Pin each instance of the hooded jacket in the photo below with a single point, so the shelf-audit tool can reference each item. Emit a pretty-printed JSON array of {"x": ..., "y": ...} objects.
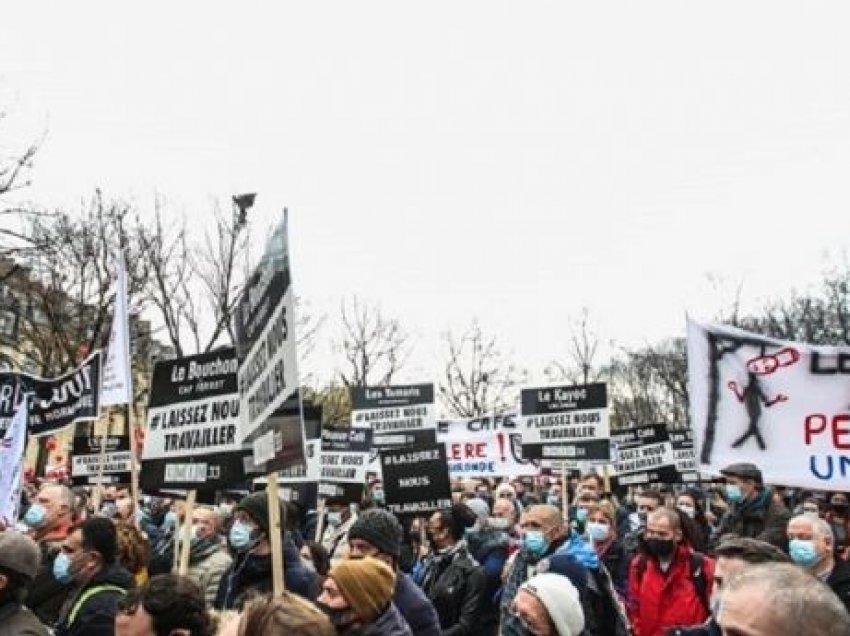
[
  {"x": 757, "y": 518},
  {"x": 96, "y": 613},
  {"x": 207, "y": 564}
]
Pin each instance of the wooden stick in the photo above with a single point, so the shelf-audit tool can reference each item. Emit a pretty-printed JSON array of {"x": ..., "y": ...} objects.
[
  {"x": 134, "y": 466},
  {"x": 275, "y": 535},
  {"x": 565, "y": 493},
  {"x": 320, "y": 520},
  {"x": 186, "y": 533},
  {"x": 98, "y": 489}
]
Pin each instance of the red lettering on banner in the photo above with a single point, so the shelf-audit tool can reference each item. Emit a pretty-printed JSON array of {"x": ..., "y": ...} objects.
[
  {"x": 817, "y": 423},
  {"x": 840, "y": 431},
  {"x": 815, "y": 420}
]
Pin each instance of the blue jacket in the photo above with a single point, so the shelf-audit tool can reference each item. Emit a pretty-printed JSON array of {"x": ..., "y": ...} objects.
[{"x": 415, "y": 607}]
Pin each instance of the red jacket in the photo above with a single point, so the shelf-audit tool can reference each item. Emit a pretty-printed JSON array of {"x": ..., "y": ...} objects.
[{"x": 661, "y": 600}]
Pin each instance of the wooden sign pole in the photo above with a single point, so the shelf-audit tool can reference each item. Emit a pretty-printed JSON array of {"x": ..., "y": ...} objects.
[
  {"x": 186, "y": 533},
  {"x": 134, "y": 466},
  {"x": 565, "y": 493},
  {"x": 275, "y": 535}
]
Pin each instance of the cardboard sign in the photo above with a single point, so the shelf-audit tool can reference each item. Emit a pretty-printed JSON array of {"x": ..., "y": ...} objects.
[
  {"x": 644, "y": 456},
  {"x": 393, "y": 410},
  {"x": 485, "y": 447},
  {"x": 192, "y": 438},
  {"x": 416, "y": 481},
  {"x": 565, "y": 423},
  {"x": 684, "y": 455},
  {"x": 85, "y": 461}
]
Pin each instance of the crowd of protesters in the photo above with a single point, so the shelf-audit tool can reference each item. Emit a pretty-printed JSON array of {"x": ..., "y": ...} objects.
[{"x": 523, "y": 556}]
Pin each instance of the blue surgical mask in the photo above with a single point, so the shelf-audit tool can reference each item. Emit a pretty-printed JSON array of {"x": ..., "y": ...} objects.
[
  {"x": 581, "y": 515},
  {"x": 36, "y": 516},
  {"x": 734, "y": 493},
  {"x": 803, "y": 552},
  {"x": 379, "y": 498},
  {"x": 62, "y": 568},
  {"x": 170, "y": 519},
  {"x": 535, "y": 542},
  {"x": 240, "y": 535},
  {"x": 597, "y": 531},
  {"x": 334, "y": 519}
]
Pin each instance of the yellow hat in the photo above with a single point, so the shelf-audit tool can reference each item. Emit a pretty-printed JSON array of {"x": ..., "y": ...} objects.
[{"x": 367, "y": 584}]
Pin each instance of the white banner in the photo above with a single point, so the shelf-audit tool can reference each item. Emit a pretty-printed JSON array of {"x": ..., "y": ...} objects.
[
  {"x": 783, "y": 406},
  {"x": 11, "y": 465},
  {"x": 116, "y": 379},
  {"x": 485, "y": 447}
]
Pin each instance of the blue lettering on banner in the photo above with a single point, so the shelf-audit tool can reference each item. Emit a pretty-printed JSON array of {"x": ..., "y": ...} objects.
[
  {"x": 473, "y": 467},
  {"x": 834, "y": 466}
]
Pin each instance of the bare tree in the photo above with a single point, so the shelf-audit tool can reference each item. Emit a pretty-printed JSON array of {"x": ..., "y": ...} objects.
[
  {"x": 375, "y": 347},
  {"x": 477, "y": 380},
  {"x": 582, "y": 366}
]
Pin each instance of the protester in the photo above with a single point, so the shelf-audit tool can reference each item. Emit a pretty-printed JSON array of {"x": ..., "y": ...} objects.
[
  {"x": 811, "y": 545},
  {"x": 602, "y": 532},
  {"x": 208, "y": 557},
  {"x": 251, "y": 570},
  {"x": 689, "y": 503},
  {"x": 505, "y": 509},
  {"x": 669, "y": 584},
  {"x": 452, "y": 580},
  {"x": 357, "y": 597},
  {"x": 315, "y": 558},
  {"x": 89, "y": 561},
  {"x": 133, "y": 551},
  {"x": 548, "y": 605},
  {"x": 752, "y": 511},
  {"x": 646, "y": 502},
  {"x": 19, "y": 561},
  {"x": 731, "y": 557},
  {"x": 338, "y": 519},
  {"x": 50, "y": 517},
  {"x": 591, "y": 484},
  {"x": 377, "y": 534},
  {"x": 490, "y": 547},
  {"x": 286, "y": 615},
  {"x": 777, "y": 599},
  {"x": 166, "y": 605},
  {"x": 838, "y": 516}
]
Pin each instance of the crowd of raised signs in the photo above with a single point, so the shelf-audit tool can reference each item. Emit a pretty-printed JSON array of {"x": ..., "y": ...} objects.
[{"x": 520, "y": 556}]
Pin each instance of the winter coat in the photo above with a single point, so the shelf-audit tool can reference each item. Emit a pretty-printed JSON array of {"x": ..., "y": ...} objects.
[
  {"x": 839, "y": 582},
  {"x": 46, "y": 595},
  {"x": 758, "y": 518},
  {"x": 617, "y": 563},
  {"x": 659, "y": 600},
  {"x": 251, "y": 574},
  {"x": 206, "y": 567},
  {"x": 390, "y": 623},
  {"x": 457, "y": 586},
  {"x": 415, "y": 607},
  {"x": 17, "y": 620},
  {"x": 335, "y": 540},
  {"x": 95, "y": 612},
  {"x": 490, "y": 549}
]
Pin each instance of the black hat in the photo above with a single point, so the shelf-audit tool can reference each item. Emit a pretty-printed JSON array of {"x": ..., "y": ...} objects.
[
  {"x": 257, "y": 506},
  {"x": 380, "y": 528},
  {"x": 743, "y": 470}
]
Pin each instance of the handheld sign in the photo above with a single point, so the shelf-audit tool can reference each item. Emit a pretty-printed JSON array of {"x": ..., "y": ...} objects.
[
  {"x": 394, "y": 412},
  {"x": 684, "y": 455},
  {"x": 644, "y": 456},
  {"x": 86, "y": 460},
  {"x": 485, "y": 447},
  {"x": 565, "y": 423},
  {"x": 416, "y": 481},
  {"x": 344, "y": 463}
]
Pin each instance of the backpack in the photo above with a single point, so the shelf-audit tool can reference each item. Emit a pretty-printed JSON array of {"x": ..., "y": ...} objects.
[{"x": 697, "y": 577}]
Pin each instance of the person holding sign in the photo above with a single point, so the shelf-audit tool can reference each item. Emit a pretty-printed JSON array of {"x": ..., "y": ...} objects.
[
  {"x": 251, "y": 570},
  {"x": 338, "y": 520}
]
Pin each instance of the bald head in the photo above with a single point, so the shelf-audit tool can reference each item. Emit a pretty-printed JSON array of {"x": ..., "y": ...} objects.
[
  {"x": 206, "y": 522},
  {"x": 544, "y": 517},
  {"x": 58, "y": 503}
]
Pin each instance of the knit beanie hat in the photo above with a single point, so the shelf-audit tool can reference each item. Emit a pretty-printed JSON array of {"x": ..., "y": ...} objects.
[
  {"x": 380, "y": 528},
  {"x": 367, "y": 584},
  {"x": 257, "y": 506},
  {"x": 19, "y": 553},
  {"x": 561, "y": 600},
  {"x": 479, "y": 507}
]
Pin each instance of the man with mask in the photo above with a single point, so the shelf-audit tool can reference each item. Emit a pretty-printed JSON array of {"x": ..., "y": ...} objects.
[
  {"x": 811, "y": 545},
  {"x": 669, "y": 584},
  {"x": 19, "y": 558},
  {"x": 88, "y": 561},
  {"x": 377, "y": 533},
  {"x": 208, "y": 557},
  {"x": 251, "y": 570},
  {"x": 752, "y": 511},
  {"x": 338, "y": 520},
  {"x": 50, "y": 518}
]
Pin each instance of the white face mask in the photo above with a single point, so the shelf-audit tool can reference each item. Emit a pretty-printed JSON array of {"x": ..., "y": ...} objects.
[
  {"x": 688, "y": 510},
  {"x": 334, "y": 518}
]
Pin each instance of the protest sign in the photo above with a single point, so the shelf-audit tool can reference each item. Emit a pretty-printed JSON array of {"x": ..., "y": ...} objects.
[
  {"x": 86, "y": 458},
  {"x": 12, "y": 446},
  {"x": 565, "y": 422},
  {"x": 117, "y": 381},
  {"x": 391, "y": 410},
  {"x": 13, "y": 388},
  {"x": 644, "y": 455},
  {"x": 70, "y": 398},
  {"x": 485, "y": 447},
  {"x": 193, "y": 416},
  {"x": 416, "y": 481},
  {"x": 682, "y": 442},
  {"x": 268, "y": 372},
  {"x": 778, "y": 404},
  {"x": 344, "y": 462}
]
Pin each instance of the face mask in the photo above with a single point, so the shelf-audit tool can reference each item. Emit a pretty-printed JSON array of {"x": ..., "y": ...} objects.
[
  {"x": 36, "y": 516},
  {"x": 62, "y": 568},
  {"x": 308, "y": 565},
  {"x": 341, "y": 619},
  {"x": 688, "y": 510},
  {"x": 225, "y": 509},
  {"x": 597, "y": 531},
  {"x": 240, "y": 535},
  {"x": 634, "y": 521},
  {"x": 535, "y": 542},
  {"x": 581, "y": 515},
  {"x": 334, "y": 519},
  {"x": 379, "y": 498},
  {"x": 811, "y": 514},
  {"x": 661, "y": 548},
  {"x": 803, "y": 552},
  {"x": 840, "y": 509},
  {"x": 553, "y": 500},
  {"x": 498, "y": 523},
  {"x": 734, "y": 493},
  {"x": 170, "y": 519}
]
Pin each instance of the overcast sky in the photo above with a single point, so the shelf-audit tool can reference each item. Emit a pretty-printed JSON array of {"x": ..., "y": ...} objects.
[{"x": 511, "y": 161}]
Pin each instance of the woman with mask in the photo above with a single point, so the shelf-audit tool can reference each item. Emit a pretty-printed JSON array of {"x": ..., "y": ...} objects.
[
  {"x": 452, "y": 580},
  {"x": 689, "y": 505},
  {"x": 251, "y": 570},
  {"x": 602, "y": 533}
]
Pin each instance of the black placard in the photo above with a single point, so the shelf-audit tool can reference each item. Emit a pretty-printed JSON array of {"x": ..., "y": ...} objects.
[
  {"x": 379, "y": 397},
  {"x": 645, "y": 456},
  {"x": 70, "y": 398},
  {"x": 416, "y": 481},
  {"x": 685, "y": 455},
  {"x": 85, "y": 460}
]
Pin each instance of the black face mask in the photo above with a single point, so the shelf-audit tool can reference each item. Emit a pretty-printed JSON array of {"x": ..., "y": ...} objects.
[
  {"x": 660, "y": 548},
  {"x": 840, "y": 509},
  {"x": 341, "y": 619}
]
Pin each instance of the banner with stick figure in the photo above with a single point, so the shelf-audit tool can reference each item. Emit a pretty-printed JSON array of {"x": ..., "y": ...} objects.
[{"x": 784, "y": 406}]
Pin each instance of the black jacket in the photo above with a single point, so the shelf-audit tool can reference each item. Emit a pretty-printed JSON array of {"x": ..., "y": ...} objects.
[
  {"x": 96, "y": 615},
  {"x": 415, "y": 607},
  {"x": 839, "y": 582},
  {"x": 758, "y": 518},
  {"x": 457, "y": 586},
  {"x": 46, "y": 595},
  {"x": 390, "y": 623}
]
